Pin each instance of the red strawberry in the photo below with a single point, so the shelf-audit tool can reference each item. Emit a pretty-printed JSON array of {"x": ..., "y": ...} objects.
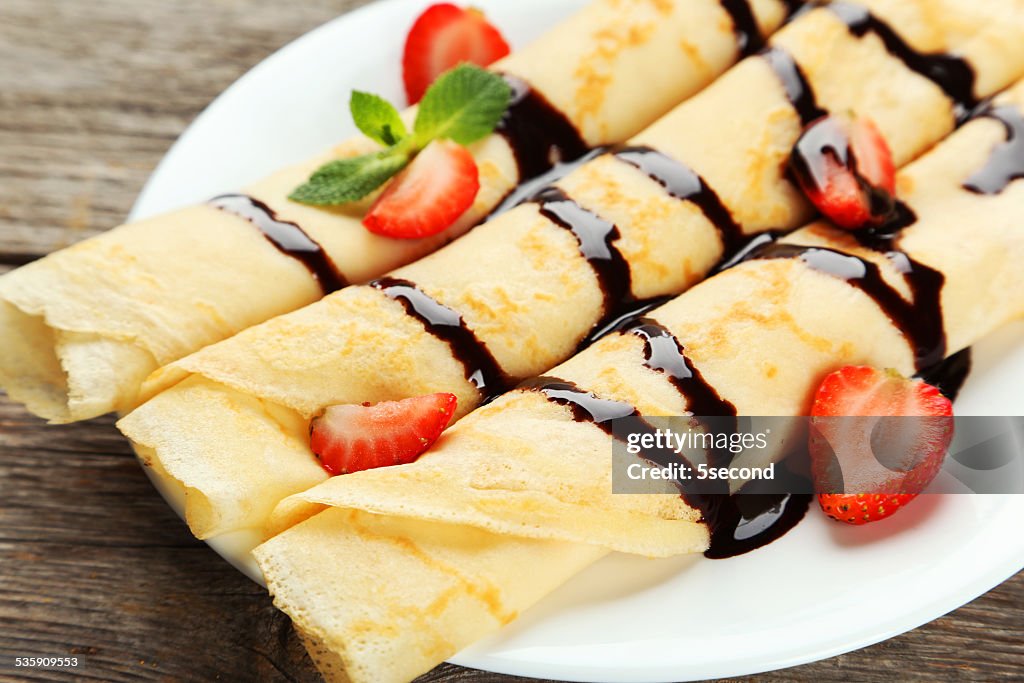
[
  {"x": 877, "y": 440},
  {"x": 861, "y": 508},
  {"x": 429, "y": 195},
  {"x": 442, "y": 37},
  {"x": 350, "y": 438},
  {"x": 845, "y": 168}
]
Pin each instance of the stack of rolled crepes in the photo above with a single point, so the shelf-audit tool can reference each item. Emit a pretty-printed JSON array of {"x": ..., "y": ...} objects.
[
  {"x": 229, "y": 424},
  {"x": 411, "y": 563},
  {"x": 81, "y": 329}
]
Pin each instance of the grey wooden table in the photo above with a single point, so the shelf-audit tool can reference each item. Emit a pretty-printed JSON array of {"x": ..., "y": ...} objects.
[{"x": 92, "y": 562}]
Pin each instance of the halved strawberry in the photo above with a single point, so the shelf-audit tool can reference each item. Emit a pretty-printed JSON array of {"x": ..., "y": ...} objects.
[
  {"x": 429, "y": 195},
  {"x": 861, "y": 508},
  {"x": 845, "y": 168},
  {"x": 877, "y": 440},
  {"x": 350, "y": 438},
  {"x": 446, "y": 35}
]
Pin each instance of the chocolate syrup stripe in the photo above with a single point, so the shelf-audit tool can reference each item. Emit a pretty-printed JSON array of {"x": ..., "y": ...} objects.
[
  {"x": 683, "y": 183},
  {"x": 951, "y": 73},
  {"x": 481, "y": 367},
  {"x": 539, "y": 134},
  {"x": 596, "y": 238},
  {"x": 288, "y": 237},
  {"x": 584, "y": 405},
  {"x": 798, "y": 89},
  {"x": 920, "y": 320},
  {"x": 736, "y": 523},
  {"x": 949, "y": 375},
  {"x": 744, "y": 25},
  {"x": 663, "y": 353},
  {"x": 1006, "y": 163}
]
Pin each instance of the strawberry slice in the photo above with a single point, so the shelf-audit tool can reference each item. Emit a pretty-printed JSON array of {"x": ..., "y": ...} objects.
[
  {"x": 350, "y": 438},
  {"x": 428, "y": 196},
  {"x": 446, "y": 35},
  {"x": 861, "y": 508},
  {"x": 845, "y": 168},
  {"x": 877, "y": 440}
]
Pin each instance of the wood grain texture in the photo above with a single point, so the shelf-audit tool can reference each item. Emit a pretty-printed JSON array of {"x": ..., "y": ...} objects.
[{"x": 92, "y": 562}]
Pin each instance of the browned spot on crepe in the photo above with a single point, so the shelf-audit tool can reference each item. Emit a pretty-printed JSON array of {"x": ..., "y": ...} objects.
[
  {"x": 696, "y": 58},
  {"x": 592, "y": 73},
  {"x": 485, "y": 592}
]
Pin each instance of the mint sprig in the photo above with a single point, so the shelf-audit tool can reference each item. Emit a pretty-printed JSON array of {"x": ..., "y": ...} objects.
[{"x": 463, "y": 104}]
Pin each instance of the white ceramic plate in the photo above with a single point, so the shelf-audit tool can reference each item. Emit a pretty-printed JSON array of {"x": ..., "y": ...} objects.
[{"x": 821, "y": 590}]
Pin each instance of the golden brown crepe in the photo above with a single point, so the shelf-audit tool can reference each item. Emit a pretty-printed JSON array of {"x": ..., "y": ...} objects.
[
  {"x": 761, "y": 334},
  {"x": 82, "y": 328},
  {"x": 230, "y": 423}
]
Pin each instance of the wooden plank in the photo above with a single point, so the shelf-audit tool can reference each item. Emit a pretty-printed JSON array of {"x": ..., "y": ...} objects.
[
  {"x": 92, "y": 94},
  {"x": 92, "y": 562}
]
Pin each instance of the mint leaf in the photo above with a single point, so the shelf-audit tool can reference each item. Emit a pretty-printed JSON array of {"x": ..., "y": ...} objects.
[
  {"x": 463, "y": 104},
  {"x": 376, "y": 118},
  {"x": 346, "y": 180}
]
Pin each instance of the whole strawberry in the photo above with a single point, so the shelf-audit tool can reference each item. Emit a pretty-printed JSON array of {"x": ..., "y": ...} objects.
[
  {"x": 442, "y": 37},
  {"x": 877, "y": 440}
]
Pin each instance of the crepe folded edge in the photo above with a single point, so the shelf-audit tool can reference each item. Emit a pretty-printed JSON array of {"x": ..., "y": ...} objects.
[
  {"x": 536, "y": 489},
  {"x": 454, "y": 585},
  {"x": 223, "y": 426},
  {"x": 64, "y": 376}
]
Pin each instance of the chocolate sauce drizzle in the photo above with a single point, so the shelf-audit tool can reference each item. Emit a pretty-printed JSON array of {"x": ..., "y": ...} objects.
[
  {"x": 795, "y": 6},
  {"x": 744, "y": 25},
  {"x": 951, "y": 73},
  {"x": 1006, "y": 162},
  {"x": 949, "y": 375},
  {"x": 482, "y": 370},
  {"x": 584, "y": 405},
  {"x": 683, "y": 183},
  {"x": 744, "y": 252},
  {"x": 596, "y": 238},
  {"x": 798, "y": 89},
  {"x": 526, "y": 189},
  {"x": 624, "y": 317},
  {"x": 663, "y": 353},
  {"x": 736, "y": 523},
  {"x": 743, "y": 522},
  {"x": 920, "y": 319},
  {"x": 288, "y": 237},
  {"x": 538, "y": 133}
]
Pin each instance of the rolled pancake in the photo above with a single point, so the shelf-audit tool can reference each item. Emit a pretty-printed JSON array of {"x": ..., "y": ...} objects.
[
  {"x": 465, "y": 582},
  {"x": 762, "y": 334},
  {"x": 98, "y": 317},
  {"x": 519, "y": 289}
]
